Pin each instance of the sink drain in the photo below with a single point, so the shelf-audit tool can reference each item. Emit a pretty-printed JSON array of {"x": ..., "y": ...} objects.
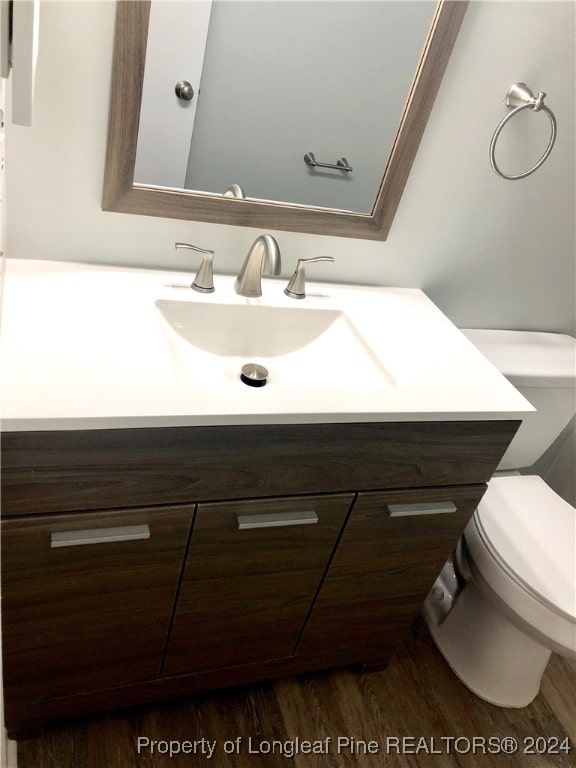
[{"x": 254, "y": 375}]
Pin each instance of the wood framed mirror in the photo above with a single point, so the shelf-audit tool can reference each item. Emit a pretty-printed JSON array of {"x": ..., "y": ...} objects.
[{"x": 121, "y": 193}]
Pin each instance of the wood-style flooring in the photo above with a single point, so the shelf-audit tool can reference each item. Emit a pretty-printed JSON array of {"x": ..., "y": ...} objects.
[{"x": 417, "y": 698}]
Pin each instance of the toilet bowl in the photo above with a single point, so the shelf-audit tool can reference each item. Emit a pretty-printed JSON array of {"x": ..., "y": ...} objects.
[
  {"x": 518, "y": 604},
  {"x": 506, "y": 599}
]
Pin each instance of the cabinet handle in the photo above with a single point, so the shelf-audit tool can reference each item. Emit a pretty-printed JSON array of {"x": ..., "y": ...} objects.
[
  {"x": 99, "y": 535},
  {"x": 425, "y": 508},
  {"x": 276, "y": 519}
]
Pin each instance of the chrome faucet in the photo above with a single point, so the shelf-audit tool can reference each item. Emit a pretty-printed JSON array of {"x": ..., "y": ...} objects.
[
  {"x": 263, "y": 255},
  {"x": 235, "y": 190}
]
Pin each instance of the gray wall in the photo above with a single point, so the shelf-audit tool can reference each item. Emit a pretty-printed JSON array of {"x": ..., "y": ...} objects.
[
  {"x": 557, "y": 466},
  {"x": 281, "y": 79},
  {"x": 490, "y": 253}
]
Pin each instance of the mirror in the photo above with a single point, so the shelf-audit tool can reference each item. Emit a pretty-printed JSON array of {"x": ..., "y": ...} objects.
[
  {"x": 272, "y": 83},
  {"x": 377, "y": 123}
]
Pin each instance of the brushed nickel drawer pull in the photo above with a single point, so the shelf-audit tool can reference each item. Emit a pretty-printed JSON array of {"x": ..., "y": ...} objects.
[
  {"x": 424, "y": 508},
  {"x": 276, "y": 520},
  {"x": 99, "y": 535}
]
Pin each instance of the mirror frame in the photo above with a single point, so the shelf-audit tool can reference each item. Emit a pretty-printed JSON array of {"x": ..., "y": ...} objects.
[{"x": 123, "y": 196}]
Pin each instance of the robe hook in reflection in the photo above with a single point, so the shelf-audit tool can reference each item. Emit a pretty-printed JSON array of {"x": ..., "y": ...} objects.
[{"x": 520, "y": 97}]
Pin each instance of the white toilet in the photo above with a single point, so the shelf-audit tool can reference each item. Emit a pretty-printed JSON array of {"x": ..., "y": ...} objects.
[{"x": 507, "y": 598}]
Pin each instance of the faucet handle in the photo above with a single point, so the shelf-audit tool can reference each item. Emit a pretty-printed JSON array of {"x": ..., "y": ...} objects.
[
  {"x": 296, "y": 287},
  {"x": 204, "y": 280}
]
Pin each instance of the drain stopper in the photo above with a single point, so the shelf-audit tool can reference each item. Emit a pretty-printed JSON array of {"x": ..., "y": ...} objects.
[{"x": 254, "y": 375}]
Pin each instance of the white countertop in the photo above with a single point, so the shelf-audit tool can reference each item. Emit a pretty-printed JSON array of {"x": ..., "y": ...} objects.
[{"x": 83, "y": 347}]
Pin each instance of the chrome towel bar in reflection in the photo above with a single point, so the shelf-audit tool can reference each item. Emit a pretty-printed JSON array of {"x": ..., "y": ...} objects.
[
  {"x": 341, "y": 164},
  {"x": 520, "y": 97}
]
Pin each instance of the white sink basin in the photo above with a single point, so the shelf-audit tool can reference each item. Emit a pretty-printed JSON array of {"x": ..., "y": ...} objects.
[
  {"x": 300, "y": 346},
  {"x": 123, "y": 348}
]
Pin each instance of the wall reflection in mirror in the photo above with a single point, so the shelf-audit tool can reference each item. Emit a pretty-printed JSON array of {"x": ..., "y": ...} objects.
[{"x": 272, "y": 82}]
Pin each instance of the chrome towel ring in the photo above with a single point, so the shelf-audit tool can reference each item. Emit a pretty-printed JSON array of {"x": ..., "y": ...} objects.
[{"x": 520, "y": 97}]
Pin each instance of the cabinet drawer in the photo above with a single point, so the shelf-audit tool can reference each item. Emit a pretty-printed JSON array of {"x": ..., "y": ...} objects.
[
  {"x": 393, "y": 547},
  {"x": 99, "y": 469},
  {"x": 252, "y": 571},
  {"x": 86, "y": 599}
]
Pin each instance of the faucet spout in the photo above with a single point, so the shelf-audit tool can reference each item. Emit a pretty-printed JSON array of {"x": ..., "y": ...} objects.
[{"x": 263, "y": 258}]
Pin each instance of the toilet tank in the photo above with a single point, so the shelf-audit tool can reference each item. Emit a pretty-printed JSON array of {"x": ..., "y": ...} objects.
[{"x": 542, "y": 366}]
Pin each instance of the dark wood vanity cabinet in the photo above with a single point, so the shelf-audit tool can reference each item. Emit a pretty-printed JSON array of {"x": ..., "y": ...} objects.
[
  {"x": 87, "y": 598},
  {"x": 392, "y": 550},
  {"x": 251, "y": 575},
  {"x": 144, "y": 564}
]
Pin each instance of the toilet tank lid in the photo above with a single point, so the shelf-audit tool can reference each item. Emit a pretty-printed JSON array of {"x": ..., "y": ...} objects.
[{"x": 529, "y": 358}]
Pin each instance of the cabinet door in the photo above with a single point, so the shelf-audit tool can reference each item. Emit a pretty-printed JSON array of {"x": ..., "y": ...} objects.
[
  {"x": 392, "y": 549},
  {"x": 251, "y": 574},
  {"x": 87, "y": 599}
]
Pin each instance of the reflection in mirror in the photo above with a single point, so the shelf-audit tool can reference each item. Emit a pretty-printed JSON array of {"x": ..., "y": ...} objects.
[
  {"x": 312, "y": 110},
  {"x": 277, "y": 80}
]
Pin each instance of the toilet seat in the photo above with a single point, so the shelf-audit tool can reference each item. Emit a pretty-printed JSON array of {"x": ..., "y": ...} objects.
[
  {"x": 531, "y": 533},
  {"x": 507, "y": 619}
]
